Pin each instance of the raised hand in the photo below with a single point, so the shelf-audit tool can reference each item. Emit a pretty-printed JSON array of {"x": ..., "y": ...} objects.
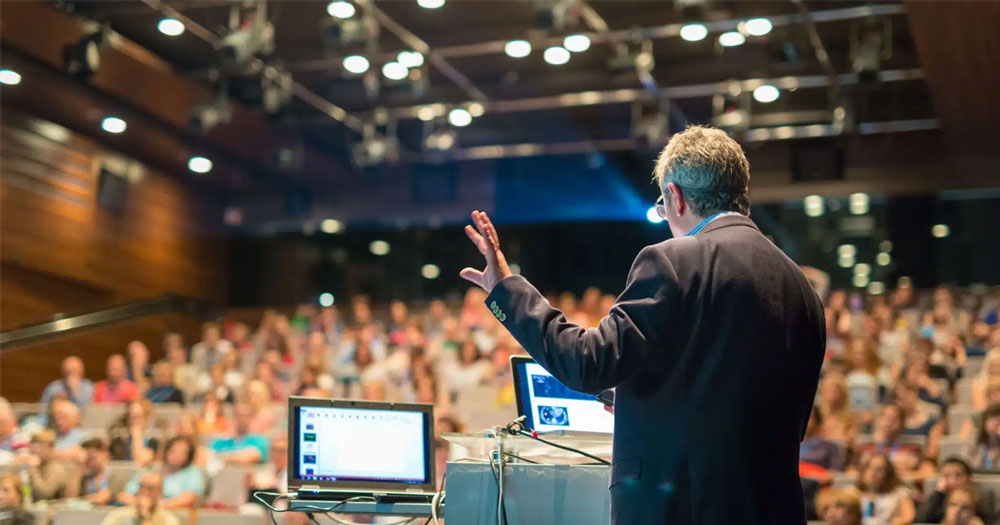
[{"x": 484, "y": 236}]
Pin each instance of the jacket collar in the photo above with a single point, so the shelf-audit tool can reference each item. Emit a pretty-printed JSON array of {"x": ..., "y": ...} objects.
[{"x": 728, "y": 221}]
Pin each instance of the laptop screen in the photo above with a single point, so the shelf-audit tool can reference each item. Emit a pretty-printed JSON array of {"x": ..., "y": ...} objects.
[
  {"x": 348, "y": 444},
  {"x": 549, "y": 405}
]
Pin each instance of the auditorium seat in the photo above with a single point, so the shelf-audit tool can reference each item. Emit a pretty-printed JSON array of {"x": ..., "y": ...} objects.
[
  {"x": 229, "y": 486},
  {"x": 952, "y": 446},
  {"x": 945, "y": 390},
  {"x": 100, "y": 415},
  {"x": 972, "y": 366},
  {"x": 957, "y": 416},
  {"x": 963, "y": 391}
]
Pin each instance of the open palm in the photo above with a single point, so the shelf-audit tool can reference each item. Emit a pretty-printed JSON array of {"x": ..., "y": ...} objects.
[{"x": 484, "y": 236}]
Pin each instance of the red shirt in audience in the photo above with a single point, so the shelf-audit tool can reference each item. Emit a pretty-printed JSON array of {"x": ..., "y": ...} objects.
[{"x": 125, "y": 391}]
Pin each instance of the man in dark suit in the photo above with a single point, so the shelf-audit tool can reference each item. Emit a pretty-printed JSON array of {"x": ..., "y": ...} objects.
[{"x": 714, "y": 347}]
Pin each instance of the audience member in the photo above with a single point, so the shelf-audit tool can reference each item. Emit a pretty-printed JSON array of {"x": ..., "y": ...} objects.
[
  {"x": 116, "y": 388},
  {"x": 95, "y": 478},
  {"x": 212, "y": 422},
  {"x": 815, "y": 449},
  {"x": 163, "y": 389},
  {"x": 955, "y": 474},
  {"x": 183, "y": 482},
  {"x": 245, "y": 447},
  {"x": 962, "y": 507},
  {"x": 273, "y": 476},
  {"x": 133, "y": 437},
  {"x": 839, "y": 506},
  {"x": 834, "y": 407},
  {"x": 209, "y": 351},
  {"x": 985, "y": 452},
  {"x": 12, "y": 510},
  {"x": 10, "y": 436},
  {"x": 908, "y": 458},
  {"x": 139, "y": 371},
  {"x": 73, "y": 384},
  {"x": 884, "y": 499},
  {"x": 258, "y": 399},
  {"x": 988, "y": 373},
  {"x": 49, "y": 478},
  {"x": 68, "y": 434},
  {"x": 146, "y": 507},
  {"x": 919, "y": 418}
]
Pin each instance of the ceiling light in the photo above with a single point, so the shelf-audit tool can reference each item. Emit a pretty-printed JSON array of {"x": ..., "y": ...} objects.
[
  {"x": 326, "y": 299},
  {"x": 883, "y": 259},
  {"x": 459, "y": 117},
  {"x": 410, "y": 59},
  {"x": 356, "y": 64},
  {"x": 652, "y": 216},
  {"x": 846, "y": 250},
  {"x": 766, "y": 93},
  {"x": 845, "y": 261},
  {"x": 885, "y": 246},
  {"x": 577, "y": 43},
  {"x": 876, "y": 288},
  {"x": 440, "y": 140},
  {"x": 476, "y": 109},
  {"x": 858, "y": 203},
  {"x": 113, "y": 125},
  {"x": 430, "y": 271},
  {"x": 430, "y": 4},
  {"x": 862, "y": 269},
  {"x": 330, "y": 226},
  {"x": 940, "y": 231},
  {"x": 731, "y": 39},
  {"x": 378, "y": 247},
  {"x": 394, "y": 71},
  {"x": 10, "y": 77},
  {"x": 694, "y": 32},
  {"x": 426, "y": 113},
  {"x": 171, "y": 27},
  {"x": 757, "y": 26},
  {"x": 200, "y": 164},
  {"x": 860, "y": 281},
  {"x": 340, "y": 9},
  {"x": 556, "y": 55},
  {"x": 814, "y": 205},
  {"x": 517, "y": 48}
]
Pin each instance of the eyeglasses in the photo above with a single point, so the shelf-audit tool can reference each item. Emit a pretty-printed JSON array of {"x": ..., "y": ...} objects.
[{"x": 661, "y": 207}]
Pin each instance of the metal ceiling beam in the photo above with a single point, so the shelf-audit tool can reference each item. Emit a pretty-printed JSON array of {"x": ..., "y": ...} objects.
[
  {"x": 496, "y": 47},
  {"x": 622, "y": 96},
  {"x": 819, "y": 49}
]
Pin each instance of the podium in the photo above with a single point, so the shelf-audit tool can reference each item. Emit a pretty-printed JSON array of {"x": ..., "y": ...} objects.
[{"x": 561, "y": 489}]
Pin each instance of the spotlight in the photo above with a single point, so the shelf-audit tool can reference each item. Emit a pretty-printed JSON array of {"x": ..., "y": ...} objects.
[
  {"x": 883, "y": 259},
  {"x": 275, "y": 89},
  {"x": 814, "y": 205},
  {"x": 430, "y": 271},
  {"x": 862, "y": 269},
  {"x": 857, "y": 203},
  {"x": 200, "y": 164},
  {"x": 83, "y": 58},
  {"x": 846, "y": 250},
  {"x": 330, "y": 226},
  {"x": 379, "y": 247},
  {"x": 171, "y": 27},
  {"x": 326, "y": 299},
  {"x": 10, "y": 77},
  {"x": 876, "y": 288},
  {"x": 860, "y": 281},
  {"x": 410, "y": 59},
  {"x": 577, "y": 43},
  {"x": 340, "y": 9},
  {"x": 757, "y": 26},
  {"x": 694, "y": 32},
  {"x": 459, "y": 117},
  {"x": 442, "y": 140},
  {"x": 394, "y": 71},
  {"x": 940, "y": 231},
  {"x": 766, "y": 94},
  {"x": 845, "y": 261},
  {"x": 652, "y": 216},
  {"x": 430, "y": 4},
  {"x": 556, "y": 55},
  {"x": 356, "y": 64},
  {"x": 476, "y": 109},
  {"x": 517, "y": 48},
  {"x": 885, "y": 246},
  {"x": 426, "y": 113},
  {"x": 212, "y": 113},
  {"x": 731, "y": 39},
  {"x": 515, "y": 268},
  {"x": 113, "y": 125},
  {"x": 251, "y": 35}
]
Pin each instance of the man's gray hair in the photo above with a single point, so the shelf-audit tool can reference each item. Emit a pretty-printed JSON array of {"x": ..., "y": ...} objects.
[{"x": 710, "y": 169}]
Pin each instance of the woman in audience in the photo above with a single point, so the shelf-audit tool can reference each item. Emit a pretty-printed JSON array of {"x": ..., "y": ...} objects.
[
  {"x": 133, "y": 436},
  {"x": 214, "y": 383},
  {"x": 834, "y": 406},
  {"x": 971, "y": 425},
  {"x": 961, "y": 508},
  {"x": 815, "y": 449},
  {"x": 989, "y": 371},
  {"x": 985, "y": 453},
  {"x": 139, "y": 370},
  {"x": 919, "y": 418},
  {"x": 471, "y": 370},
  {"x": 884, "y": 499},
  {"x": 12, "y": 510},
  {"x": 187, "y": 426},
  {"x": 212, "y": 422},
  {"x": 163, "y": 389},
  {"x": 866, "y": 369},
  {"x": 259, "y": 399},
  {"x": 908, "y": 458},
  {"x": 956, "y": 474},
  {"x": 183, "y": 482},
  {"x": 839, "y": 506}
]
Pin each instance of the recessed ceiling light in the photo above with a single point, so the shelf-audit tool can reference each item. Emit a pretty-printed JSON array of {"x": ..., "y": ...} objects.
[
  {"x": 476, "y": 109},
  {"x": 410, "y": 59},
  {"x": 940, "y": 231},
  {"x": 326, "y": 299},
  {"x": 556, "y": 55},
  {"x": 340, "y": 9},
  {"x": 577, "y": 43},
  {"x": 430, "y": 271},
  {"x": 459, "y": 117},
  {"x": 766, "y": 93},
  {"x": 430, "y": 4},
  {"x": 171, "y": 27},
  {"x": 394, "y": 71},
  {"x": 379, "y": 247},
  {"x": 731, "y": 39},
  {"x": 426, "y": 113},
  {"x": 113, "y": 125},
  {"x": 517, "y": 48},
  {"x": 200, "y": 164},
  {"x": 757, "y": 26},
  {"x": 330, "y": 226},
  {"x": 356, "y": 64},
  {"x": 10, "y": 77},
  {"x": 694, "y": 32}
]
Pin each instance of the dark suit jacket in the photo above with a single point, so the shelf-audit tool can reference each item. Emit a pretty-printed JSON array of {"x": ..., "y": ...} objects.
[{"x": 715, "y": 348}]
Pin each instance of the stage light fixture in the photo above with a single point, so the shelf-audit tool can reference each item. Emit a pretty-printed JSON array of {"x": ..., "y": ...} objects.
[
  {"x": 556, "y": 55},
  {"x": 476, "y": 109},
  {"x": 330, "y": 226},
  {"x": 517, "y": 48},
  {"x": 394, "y": 71},
  {"x": 858, "y": 203},
  {"x": 356, "y": 64},
  {"x": 459, "y": 117},
  {"x": 10, "y": 77},
  {"x": 940, "y": 231},
  {"x": 430, "y": 4},
  {"x": 379, "y": 248},
  {"x": 114, "y": 125},
  {"x": 731, "y": 39},
  {"x": 83, "y": 58},
  {"x": 814, "y": 205},
  {"x": 694, "y": 32},
  {"x": 757, "y": 26},
  {"x": 883, "y": 259},
  {"x": 430, "y": 271},
  {"x": 340, "y": 9},
  {"x": 251, "y": 35},
  {"x": 326, "y": 299},
  {"x": 410, "y": 59},
  {"x": 170, "y": 27},
  {"x": 766, "y": 94},
  {"x": 577, "y": 43},
  {"x": 200, "y": 164},
  {"x": 214, "y": 112},
  {"x": 652, "y": 216}
]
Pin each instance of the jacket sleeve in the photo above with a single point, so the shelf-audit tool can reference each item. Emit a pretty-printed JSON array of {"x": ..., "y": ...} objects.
[{"x": 593, "y": 359}]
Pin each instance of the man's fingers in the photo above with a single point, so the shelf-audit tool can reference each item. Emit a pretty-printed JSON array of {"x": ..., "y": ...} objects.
[
  {"x": 472, "y": 275},
  {"x": 476, "y": 239}
]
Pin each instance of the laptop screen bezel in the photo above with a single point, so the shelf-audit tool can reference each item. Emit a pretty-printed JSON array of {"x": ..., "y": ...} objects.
[
  {"x": 518, "y": 372},
  {"x": 295, "y": 481}
]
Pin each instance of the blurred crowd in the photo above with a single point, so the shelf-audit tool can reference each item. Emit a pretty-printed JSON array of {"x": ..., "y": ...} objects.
[{"x": 905, "y": 428}]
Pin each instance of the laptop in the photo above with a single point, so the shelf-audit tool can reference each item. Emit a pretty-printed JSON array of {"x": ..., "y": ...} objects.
[
  {"x": 340, "y": 449},
  {"x": 550, "y": 406}
]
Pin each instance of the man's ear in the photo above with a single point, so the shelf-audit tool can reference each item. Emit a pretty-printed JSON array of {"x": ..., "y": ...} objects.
[{"x": 675, "y": 195}]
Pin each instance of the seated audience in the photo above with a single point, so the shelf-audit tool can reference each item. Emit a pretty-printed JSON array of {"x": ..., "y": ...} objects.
[
  {"x": 834, "y": 407},
  {"x": 49, "y": 478},
  {"x": 839, "y": 506},
  {"x": 163, "y": 389},
  {"x": 133, "y": 437},
  {"x": 183, "y": 482},
  {"x": 146, "y": 507},
  {"x": 989, "y": 371},
  {"x": 209, "y": 351},
  {"x": 985, "y": 452},
  {"x": 274, "y": 475},
  {"x": 470, "y": 371},
  {"x": 919, "y": 418},
  {"x": 185, "y": 374},
  {"x": 12, "y": 510},
  {"x": 962, "y": 507},
  {"x": 955, "y": 474},
  {"x": 907, "y": 458},
  {"x": 95, "y": 476},
  {"x": 212, "y": 422},
  {"x": 258, "y": 398},
  {"x": 815, "y": 449},
  {"x": 116, "y": 388},
  {"x": 187, "y": 426},
  {"x": 884, "y": 499},
  {"x": 970, "y": 426},
  {"x": 66, "y": 425},
  {"x": 11, "y": 438},
  {"x": 139, "y": 371},
  {"x": 73, "y": 384},
  {"x": 245, "y": 447}
]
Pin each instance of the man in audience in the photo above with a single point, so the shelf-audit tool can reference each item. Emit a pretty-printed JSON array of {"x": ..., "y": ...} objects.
[
  {"x": 139, "y": 370},
  {"x": 116, "y": 388},
  {"x": 840, "y": 506},
  {"x": 956, "y": 473},
  {"x": 10, "y": 438},
  {"x": 49, "y": 478},
  {"x": 68, "y": 434},
  {"x": 244, "y": 448},
  {"x": 183, "y": 481},
  {"x": 77, "y": 388},
  {"x": 274, "y": 475},
  {"x": 163, "y": 389},
  {"x": 211, "y": 348},
  {"x": 95, "y": 476},
  {"x": 12, "y": 510},
  {"x": 907, "y": 458},
  {"x": 146, "y": 509}
]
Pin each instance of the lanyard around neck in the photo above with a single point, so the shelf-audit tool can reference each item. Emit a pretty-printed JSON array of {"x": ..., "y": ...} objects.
[{"x": 702, "y": 224}]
